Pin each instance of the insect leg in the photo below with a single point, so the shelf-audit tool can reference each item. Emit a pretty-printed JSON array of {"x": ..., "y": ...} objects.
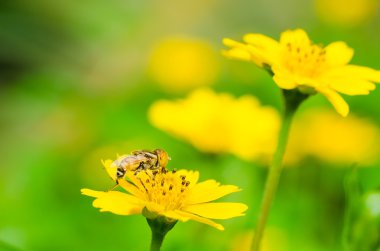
[
  {"x": 116, "y": 185},
  {"x": 139, "y": 168}
]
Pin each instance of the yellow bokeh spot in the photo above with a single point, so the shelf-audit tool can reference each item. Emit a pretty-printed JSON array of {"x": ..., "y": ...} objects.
[
  {"x": 331, "y": 138},
  {"x": 219, "y": 123},
  {"x": 346, "y": 12},
  {"x": 180, "y": 63}
]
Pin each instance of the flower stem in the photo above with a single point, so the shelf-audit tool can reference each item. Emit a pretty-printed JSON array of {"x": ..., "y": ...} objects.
[
  {"x": 160, "y": 227},
  {"x": 156, "y": 242},
  {"x": 292, "y": 101}
]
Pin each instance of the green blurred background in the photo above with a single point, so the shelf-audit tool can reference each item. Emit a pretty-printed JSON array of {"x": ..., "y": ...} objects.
[{"x": 76, "y": 85}]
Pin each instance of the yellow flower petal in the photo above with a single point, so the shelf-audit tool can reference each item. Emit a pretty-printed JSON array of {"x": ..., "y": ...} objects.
[
  {"x": 237, "y": 50},
  {"x": 297, "y": 36},
  {"x": 127, "y": 186},
  {"x": 209, "y": 190},
  {"x": 110, "y": 170},
  {"x": 191, "y": 216},
  {"x": 115, "y": 202},
  {"x": 283, "y": 79},
  {"x": 92, "y": 193},
  {"x": 231, "y": 43},
  {"x": 191, "y": 176},
  {"x": 176, "y": 215},
  {"x": 221, "y": 210},
  {"x": 269, "y": 47},
  {"x": 262, "y": 42},
  {"x": 135, "y": 180},
  {"x": 353, "y": 86},
  {"x": 353, "y": 71},
  {"x": 237, "y": 53},
  {"x": 338, "y": 53},
  {"x": 248, "y": 52},
  {"x": 336, "y": 100},
  {"x": 156, "y": 208}
]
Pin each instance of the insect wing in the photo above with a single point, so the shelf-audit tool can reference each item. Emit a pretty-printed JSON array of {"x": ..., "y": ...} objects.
[{"x": 132, "y": 162}]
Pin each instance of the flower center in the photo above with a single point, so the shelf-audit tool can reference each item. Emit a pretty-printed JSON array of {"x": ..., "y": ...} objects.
[
  {"x": 165, "y": 188},
  {"x": 306, "y": 60}
]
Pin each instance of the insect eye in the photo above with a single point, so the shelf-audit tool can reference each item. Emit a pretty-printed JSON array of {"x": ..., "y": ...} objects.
[
  {"x": 120, "y": 173},
  {"x": 163, "y": 158}
]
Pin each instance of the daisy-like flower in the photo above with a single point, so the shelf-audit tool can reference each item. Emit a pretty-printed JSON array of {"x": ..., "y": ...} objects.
[
  {"x": 218, "y": 123},
  {"x": 297, "y": 63},
  {"x": 174, "y": 195}
]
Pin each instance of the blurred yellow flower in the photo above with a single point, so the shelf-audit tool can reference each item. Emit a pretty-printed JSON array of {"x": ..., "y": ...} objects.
[
  {"x": 324, "y": 135},
  {"x": 296, "y": 62},
  {"x": 175, "y": 195},
  {"x": 181, "y": 63},
  {"x": 346, "y": 12},
  {"x": 274, "y": 240},
  {"x": 219, "y": 123}
]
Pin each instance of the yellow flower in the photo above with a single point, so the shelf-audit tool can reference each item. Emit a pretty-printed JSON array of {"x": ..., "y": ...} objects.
[
  {"x": 296, "y": 62},
  {"x": 175, "y": 195},
  {"x": 219, "y": 123},
  {"x": 180, "y": 63},
  {"x": 329, "y": 137},
  {"x": 346, "y": 12}
]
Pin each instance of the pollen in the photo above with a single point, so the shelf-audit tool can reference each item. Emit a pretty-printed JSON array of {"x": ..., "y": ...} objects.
[
  {"x": 165, "y": 188},
  {"x": 304, "y": 59}
]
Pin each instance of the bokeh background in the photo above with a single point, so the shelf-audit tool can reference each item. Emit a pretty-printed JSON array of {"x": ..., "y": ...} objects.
[{"x": 80, "y": 81}]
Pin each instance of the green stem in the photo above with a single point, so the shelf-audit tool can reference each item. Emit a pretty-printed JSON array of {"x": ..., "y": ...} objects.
[
  {"x": 292, "y": 101},
  {"x": 156, "y": 242},
  {"x": 160, "y": 226},
  {"x": 352, "y": 191}
]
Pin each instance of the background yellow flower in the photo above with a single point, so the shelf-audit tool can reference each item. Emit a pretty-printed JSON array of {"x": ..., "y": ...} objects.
[
  {"x": 181, "y": 63},
  {"x": 321, "y": 134},
  {"x": 219, "y": 123}
]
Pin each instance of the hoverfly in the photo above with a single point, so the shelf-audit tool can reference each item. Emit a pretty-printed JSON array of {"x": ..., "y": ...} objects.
[{"x": 137, "y": 161}]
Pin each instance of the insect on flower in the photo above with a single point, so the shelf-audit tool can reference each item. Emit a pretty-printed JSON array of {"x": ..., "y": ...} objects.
[
  {"x": 136, "y": 162},
  {"x": 169, "y": 196}
]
